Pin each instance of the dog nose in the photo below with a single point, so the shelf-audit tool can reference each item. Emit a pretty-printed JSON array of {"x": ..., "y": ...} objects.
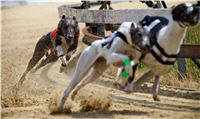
[{"x": 70, "y": 37}]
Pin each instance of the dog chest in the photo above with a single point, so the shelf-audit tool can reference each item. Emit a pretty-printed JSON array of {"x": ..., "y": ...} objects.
[{"x": 64, "y": 44}]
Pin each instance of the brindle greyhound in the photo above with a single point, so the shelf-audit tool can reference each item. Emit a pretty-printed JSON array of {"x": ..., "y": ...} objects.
[{"x": 62, "y": 41}]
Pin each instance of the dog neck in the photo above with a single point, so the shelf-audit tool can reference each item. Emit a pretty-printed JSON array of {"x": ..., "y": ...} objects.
[{"x": 171, "y": 37}]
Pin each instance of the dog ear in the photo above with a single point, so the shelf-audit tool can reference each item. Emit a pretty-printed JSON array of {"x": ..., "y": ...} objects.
[
  {"x": 74, "y": 18},
  {"x": 198, "y": 3},
  {"x": 61, "y": 21},
  {"x": 63, "y": 17},
  {"x": 60, "y": 25},
  {"x": 134, "y": 25},
  {"x": 173, "y": 6}
]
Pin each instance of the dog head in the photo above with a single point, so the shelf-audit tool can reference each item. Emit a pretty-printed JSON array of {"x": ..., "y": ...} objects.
[
  {"x": 68, "y": 26},
  {"x": 186, "y": 14},
  {"x": 140, "y": 37}
]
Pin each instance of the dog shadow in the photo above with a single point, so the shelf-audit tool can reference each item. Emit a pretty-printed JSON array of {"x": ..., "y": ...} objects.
[
  {"x": 146, "y": 88},
  {"x": 105, "y": 114},
  {"x": 156, "y": 105},
  {"x": 44, "y": 75}
]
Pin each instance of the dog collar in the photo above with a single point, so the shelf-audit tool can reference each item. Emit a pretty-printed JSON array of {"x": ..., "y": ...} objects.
[{"x": 54, "y": 33}]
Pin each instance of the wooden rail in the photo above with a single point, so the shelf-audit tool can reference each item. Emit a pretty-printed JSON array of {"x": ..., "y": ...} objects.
[
  {"x": 190, "y": 51},
  {"x": 89, "y": 37},
  {"x": 187, "y": 50},
  {"x": 109, "y": 16}
]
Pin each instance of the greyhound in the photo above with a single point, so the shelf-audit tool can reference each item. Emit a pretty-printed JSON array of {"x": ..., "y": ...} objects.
[
  {"x": 104, "y": 5},
  {"x": 63, "y": 41},
  {"x": 166, "y": 43},
  {"x": 114, "y": 49},
  {"x": 158, "y": 4},
  {"x": 152, "y": 24}
]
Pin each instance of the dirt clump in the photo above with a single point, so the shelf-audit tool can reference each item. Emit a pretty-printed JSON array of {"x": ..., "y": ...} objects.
[
  {"x": 15, "y": 98},
  {"x": 93, "y": 101}
]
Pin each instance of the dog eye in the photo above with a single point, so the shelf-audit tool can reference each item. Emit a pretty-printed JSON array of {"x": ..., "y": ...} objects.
[
  {"x": 139, "y": 34},
  {"x": 184, "y": 17}
]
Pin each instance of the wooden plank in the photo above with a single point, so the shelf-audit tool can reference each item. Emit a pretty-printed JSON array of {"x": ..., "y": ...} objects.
[
  {"x": 110, "y": 16},
  {"x": 190, "y": 51},
  {"x": 89, "y": 37},
  {"x": 88, "y": 34}
]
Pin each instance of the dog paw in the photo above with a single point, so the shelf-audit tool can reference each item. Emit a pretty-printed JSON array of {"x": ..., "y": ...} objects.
[
  {"x": 62, "y": 68},
  {"x": 129, "y": 88},
  {"x": 33, "y": 71},
  {"x": 156, "y": 98}
]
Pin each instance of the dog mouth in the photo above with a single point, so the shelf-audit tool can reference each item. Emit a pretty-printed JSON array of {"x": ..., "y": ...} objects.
[{"x": 69, "y": 41}]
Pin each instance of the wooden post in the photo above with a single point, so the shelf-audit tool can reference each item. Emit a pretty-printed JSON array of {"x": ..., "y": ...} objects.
[{"x": 181, "y": 68}]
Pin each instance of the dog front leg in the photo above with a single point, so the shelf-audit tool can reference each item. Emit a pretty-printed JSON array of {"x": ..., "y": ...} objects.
[
  {"x": 119, "y": 71},
  {"x": 145, "y": 77},
  {"x": 49, "y": 59},
  {"x": 69, "y": 54},
  {"x": 113, "y": 56},
  {"x": 156, "y": 88}
]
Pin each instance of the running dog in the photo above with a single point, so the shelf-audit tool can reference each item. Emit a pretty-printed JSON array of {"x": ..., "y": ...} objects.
[
  {"x": 167, "y": 36},
  {"x": 61, "y": 42}
]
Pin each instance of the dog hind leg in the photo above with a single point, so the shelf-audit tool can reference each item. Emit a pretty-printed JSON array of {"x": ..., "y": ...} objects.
[
  {"x": 97, "y": 70},
  {"x": 145, "y": 77},
  {"x": 49, "y": 59},
  {"x": 85, "y": 62},
  {"x": 39, "y": 52}
]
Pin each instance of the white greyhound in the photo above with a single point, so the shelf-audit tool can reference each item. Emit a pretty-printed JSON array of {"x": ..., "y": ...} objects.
[
  {"x": 101, "y": 53},
  {"x": 166, "y": 44}
]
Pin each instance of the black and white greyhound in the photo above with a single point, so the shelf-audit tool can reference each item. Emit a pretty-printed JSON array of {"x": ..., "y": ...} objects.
[{"x": 167, "y": 35}]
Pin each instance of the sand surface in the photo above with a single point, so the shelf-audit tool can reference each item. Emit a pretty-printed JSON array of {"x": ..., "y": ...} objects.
[{"x": 22, "y": 27}]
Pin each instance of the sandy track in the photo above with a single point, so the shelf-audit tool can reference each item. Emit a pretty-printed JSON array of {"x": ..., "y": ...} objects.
[{"x": 21, "y": 29}]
